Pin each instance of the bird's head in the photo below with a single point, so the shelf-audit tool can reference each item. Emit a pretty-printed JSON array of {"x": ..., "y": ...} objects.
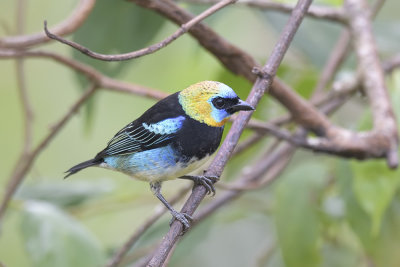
[{"x": 211, "y": 102}]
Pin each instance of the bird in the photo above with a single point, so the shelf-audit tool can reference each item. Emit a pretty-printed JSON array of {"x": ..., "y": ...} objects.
[{"x": 174, "y": 137}]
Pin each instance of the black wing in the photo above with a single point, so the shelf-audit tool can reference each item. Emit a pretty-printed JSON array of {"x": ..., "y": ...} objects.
[
  {"x": 134, "y": 138},
  {"x": 155, "y": 128}
]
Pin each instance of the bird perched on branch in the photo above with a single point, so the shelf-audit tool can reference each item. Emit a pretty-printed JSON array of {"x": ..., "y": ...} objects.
[{"x": 171, "y": 139}]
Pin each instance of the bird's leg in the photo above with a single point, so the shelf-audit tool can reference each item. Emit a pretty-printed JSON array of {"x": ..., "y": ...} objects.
[
  {"x": 206, "y": 181},
  {"x": 184, "y": 218}
]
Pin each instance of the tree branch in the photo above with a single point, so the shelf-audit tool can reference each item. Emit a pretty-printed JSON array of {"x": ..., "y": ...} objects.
[
  {"x": 385, "y": 123},
  {"x": 144, "y": 51},
  {"x": 69, "y": 25},
  {"x": 223, "y": 155},
  {"x": 92, "y": 74}
]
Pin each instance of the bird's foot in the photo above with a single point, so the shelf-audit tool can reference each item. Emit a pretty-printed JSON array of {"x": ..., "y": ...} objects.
[
  {"x": 182, "y": 217},
  {"x": 206, "y": 181}
]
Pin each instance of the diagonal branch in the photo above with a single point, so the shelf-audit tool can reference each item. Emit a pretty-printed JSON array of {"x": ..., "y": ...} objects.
[
  {"x": 144, "y": 51},
  {"x": 92, "y": 74},
  {"x": 223, "y": 155},
  {"x": 20, "y": 170},
  {"x": 69, "y": 25}
]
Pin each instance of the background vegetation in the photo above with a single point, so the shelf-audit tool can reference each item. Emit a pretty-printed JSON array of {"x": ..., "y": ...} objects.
[{"x": 322, "y": 210}]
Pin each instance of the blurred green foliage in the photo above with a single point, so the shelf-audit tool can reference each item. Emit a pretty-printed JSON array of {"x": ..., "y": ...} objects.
[{"x": 322, "y": 211}]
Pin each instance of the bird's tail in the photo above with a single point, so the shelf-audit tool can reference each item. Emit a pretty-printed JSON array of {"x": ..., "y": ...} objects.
[{"x": 82, "y": 165}]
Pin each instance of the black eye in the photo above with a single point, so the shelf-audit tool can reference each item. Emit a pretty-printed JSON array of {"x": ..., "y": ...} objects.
[{"x": 219, "y": 103}]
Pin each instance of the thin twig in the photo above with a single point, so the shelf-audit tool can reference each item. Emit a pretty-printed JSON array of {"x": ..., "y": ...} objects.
[
  {"x": 69, "y": 25},
  {"x": 232, "y": 138},
  {"x": 144, "y": 51},
  {"x": 318, "y": 12},
  {"x": 391, "y": 64},
  {"x": 20, "y": 171}
]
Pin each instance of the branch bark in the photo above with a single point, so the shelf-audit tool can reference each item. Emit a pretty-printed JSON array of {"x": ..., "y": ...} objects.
[
  {"x": 223, "y": 155},
  {"x": 385, "y": 123}
]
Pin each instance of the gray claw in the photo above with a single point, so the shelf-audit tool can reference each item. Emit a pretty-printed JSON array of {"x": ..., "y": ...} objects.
[
  {"x": 184, "y": 218},
  {"x": 207, "y": 182}
]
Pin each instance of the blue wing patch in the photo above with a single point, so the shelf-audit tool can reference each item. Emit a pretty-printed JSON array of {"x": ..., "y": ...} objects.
[
  {"x": 136, "y": 137},
  {"x": 167, "y": 126}
]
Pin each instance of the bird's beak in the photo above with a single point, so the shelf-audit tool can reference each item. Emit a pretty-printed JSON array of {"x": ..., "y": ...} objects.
[{"x": 241, "y": 105}]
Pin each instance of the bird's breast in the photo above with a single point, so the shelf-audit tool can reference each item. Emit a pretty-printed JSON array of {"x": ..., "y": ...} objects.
[{"x": 158, "y": 164}]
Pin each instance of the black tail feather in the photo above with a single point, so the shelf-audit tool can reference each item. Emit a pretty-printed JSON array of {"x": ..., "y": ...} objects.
[{"x": 82, "y": 165}]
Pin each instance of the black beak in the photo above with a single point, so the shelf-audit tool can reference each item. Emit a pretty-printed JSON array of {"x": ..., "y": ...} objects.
[{"x": 241, "y": 105}]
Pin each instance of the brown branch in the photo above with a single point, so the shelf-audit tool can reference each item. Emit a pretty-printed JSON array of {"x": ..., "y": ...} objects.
[
  {"x": 223, "y": 155},
  {"x": 318, "y": 12},
  {"x": 338, "y": 55},
  {"x": 92, "y": 74},
  {"x": 20, "y": 170},
  {"x": 144, "y": 51},
  {"x": 69, "y": 25},
  {"x": 118, "y": 256},
  {"x": 385, "y": 123}
]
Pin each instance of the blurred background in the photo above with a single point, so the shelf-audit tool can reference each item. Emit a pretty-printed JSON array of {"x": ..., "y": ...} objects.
[{"x": 322, "y": 211}]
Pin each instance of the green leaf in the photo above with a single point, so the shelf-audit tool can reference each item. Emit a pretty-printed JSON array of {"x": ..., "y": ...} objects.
[
  {"x": 374, "y": 187},
  {"x": 382, "y": 248},
  {"x": 52, "y": 238},
  {"x": 296, "y": 215},
  {"x": 355, "y": 215}
]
